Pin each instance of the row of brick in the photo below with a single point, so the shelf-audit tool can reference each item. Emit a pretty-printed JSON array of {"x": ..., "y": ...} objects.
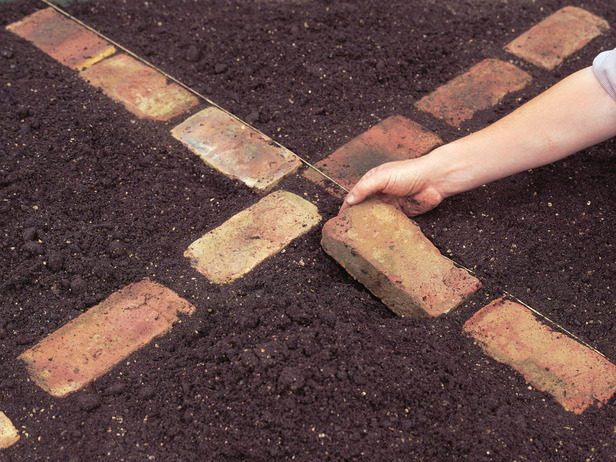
[
  {"x": 92, "y": 344},
  {"x": 387, "y": 252},
  {"x": 546, "y": 45},
  {"x": 222, "y": 141},
  {"x": 384, "y": 250},
  {"x": 482, "y": 87}
]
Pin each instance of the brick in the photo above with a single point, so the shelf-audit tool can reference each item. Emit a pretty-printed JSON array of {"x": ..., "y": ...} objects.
[
  {"x": 574, "y": 374},
  {"x": 246, "y": 239},
  {"x": 560, "y": 35},
  {"x": 8, "y": 433},
  {"x": 92, "y": 344},
  {"x": 482, "y": 87},
  {"x": 235, "y": 149},
  {"x": 141, "y": 89},
  {"x": 62, "y": 39},
  {"x": 387, "y": 252},
  {"x": 395, "y": 138}
]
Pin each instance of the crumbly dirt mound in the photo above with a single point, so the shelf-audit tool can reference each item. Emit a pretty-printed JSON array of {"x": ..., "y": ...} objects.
[{"x": 295, "y": 359}]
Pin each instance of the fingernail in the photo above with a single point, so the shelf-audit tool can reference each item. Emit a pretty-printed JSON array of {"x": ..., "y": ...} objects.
[{"x": 350, "y": 198}]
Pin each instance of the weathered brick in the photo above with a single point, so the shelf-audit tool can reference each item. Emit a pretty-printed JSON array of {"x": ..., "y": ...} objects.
[
  {"x": 574, "y": 374},
  {"x": 235, "y": 149},
  {"x": 246, "y": 239},
  {"x": 395, "y": 138},
  {"x": 387, "y": 252},
  {"x": 482, "y": 87},
  {"x": 90, "y": 345},
  {"x": 141, "y": 89},
  {"x": 8, "y": 433},
  {"x": 62, "y": 39},
  {"x": 563, "y": 33}
]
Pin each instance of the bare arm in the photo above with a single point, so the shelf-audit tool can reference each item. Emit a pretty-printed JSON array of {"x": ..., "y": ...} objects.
[{"x": 572, "y": 115}]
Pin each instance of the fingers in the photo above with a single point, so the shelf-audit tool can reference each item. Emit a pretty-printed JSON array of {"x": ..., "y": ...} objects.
[{"x": 369, "y": 184}]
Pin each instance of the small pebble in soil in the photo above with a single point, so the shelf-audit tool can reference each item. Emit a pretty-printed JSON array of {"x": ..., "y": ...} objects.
[
  {"x": 253, "y": 117},
  {"x": 234, "y": 96},
  {"x": 220, "y": 68},
  {"x": 249, "y": 359},
  {"x": 115, "y": 389},
  {"x": 25, "y": 339},
  {"x": 248, "y": 321},
  {"x": 32, "y": 223},
  {"x": 55, "y": 262},
  {"x": 78, "y": 285},
  {"x": 23, "y": 112},
  {"x": 8, "y": 54},
  {"x": 146, "y": 393},
  {"x": 11, "y": 177},
  {"x": 115, "y": 249},
  {"x": 29, "y": 234},
  {"x": 7, "y": 384},
  {"x": 292, "y": 378},
  {"x": 193, "y": 54},
  {"x": 35, "y": 248},
  {"x": 88, "y": 402},
  {"x": 298, "y": 315}
]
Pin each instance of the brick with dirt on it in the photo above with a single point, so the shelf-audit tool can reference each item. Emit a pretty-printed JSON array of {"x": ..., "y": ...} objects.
[
  {"x": 558, "y": 36},
  {"x": 142, "y": 90},
  {"x": 93, "y": 343},
  {"x": 251, "y": 236},
  {"x": 235, "y": 149},
  {"x": 395, "y": 138},
  {"x": 8, "y": 433},
  {"x": 387, "y": 252},
  {"x": 64, "y": 40},
  {"x": 574, "y": 374},
  {"x": 483, "y": 86}
]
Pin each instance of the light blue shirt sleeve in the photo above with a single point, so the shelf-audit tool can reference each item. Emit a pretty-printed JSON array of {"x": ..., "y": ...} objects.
[{"x": 604, "y": 67}]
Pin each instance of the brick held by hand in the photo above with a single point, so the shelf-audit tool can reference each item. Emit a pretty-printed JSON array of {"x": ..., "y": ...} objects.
[{"x": 387, "y": 252}]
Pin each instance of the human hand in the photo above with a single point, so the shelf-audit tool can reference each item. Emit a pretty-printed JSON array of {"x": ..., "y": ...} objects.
[{"x": 406, "y": 184}]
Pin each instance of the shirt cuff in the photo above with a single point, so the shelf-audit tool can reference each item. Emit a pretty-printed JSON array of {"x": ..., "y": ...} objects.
[{"x": 604, "y": 67}]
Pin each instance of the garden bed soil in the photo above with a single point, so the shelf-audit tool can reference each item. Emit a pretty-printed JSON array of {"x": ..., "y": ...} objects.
[{"x": 294, "y": 360}]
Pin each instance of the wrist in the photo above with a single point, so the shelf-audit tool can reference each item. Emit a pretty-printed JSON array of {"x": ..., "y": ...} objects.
[{"x": 450, "y": 170}]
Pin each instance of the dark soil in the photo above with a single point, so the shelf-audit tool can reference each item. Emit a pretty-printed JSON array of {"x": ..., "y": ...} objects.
[{"x": 295, "y": 360}]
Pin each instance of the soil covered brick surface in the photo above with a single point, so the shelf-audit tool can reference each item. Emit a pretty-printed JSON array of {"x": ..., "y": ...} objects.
[{"x": 294, "y": 360}]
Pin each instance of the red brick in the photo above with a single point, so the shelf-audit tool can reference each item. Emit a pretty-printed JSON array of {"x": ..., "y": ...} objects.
[
  {"x": 92, "y": 344},
  {"x": 141, "y": 89},
  {"x": 8, "y": 433},
  {"x": 482, "y": 87},
  {"x": 563, "y": 33},
  {"x": 235, "y": 149},
  {"x": 387, "y": 252},
  {"x": 246, "y": 239},
  {"x": 62, "y": 39},
  {"x": 395, "y": 138},
  {"x": 574, "y": 374}
]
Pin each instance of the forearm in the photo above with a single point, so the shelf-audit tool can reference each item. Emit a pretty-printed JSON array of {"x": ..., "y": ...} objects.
[{"x": 572, "y": 115}]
